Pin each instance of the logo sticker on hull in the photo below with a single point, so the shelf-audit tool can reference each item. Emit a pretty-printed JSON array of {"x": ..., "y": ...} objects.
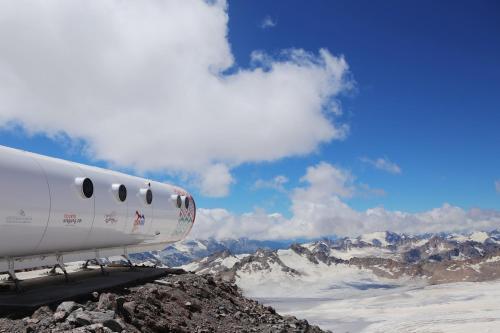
[
  {"x": 21, "y": 217},
  {"x": 71, "y": 219},
  {"x": 139, "y": 220},
  {"x": 110, "y": 218}
]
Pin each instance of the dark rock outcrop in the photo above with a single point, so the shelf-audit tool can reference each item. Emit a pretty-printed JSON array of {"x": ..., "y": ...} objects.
[{"x": 177, "y": 303}]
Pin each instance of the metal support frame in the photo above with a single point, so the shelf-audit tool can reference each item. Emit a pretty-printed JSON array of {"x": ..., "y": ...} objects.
[
  {"x": 98, "y": 260},
  {"x": 60, "y": 264}
]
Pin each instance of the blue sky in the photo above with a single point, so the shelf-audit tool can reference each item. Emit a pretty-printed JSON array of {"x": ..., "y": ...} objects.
[
  {"x": 428, "y": 95},
  {"x": 426, "y": 99}
]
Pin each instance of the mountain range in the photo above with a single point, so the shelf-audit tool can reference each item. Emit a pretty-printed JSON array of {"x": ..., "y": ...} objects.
[{"x": 437, "y": 258}]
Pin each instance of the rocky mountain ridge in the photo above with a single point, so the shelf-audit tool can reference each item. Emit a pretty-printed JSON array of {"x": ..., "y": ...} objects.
[{"x": 436, "y": 258}]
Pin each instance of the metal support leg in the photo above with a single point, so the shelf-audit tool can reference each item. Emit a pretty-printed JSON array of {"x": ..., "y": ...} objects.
[
  {"x": 130, "y": 264},
  {"x": 101, "y": 264},
  {"x": 53, "y": 271},
  {"x": 12, "y": 275},
  {"x": 86, "y": 265},
  {"x": 60, "y": 264}
]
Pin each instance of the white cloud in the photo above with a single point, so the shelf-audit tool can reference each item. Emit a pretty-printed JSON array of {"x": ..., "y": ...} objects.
[
  {"x": 267, "y": 22},
  {"x": 140, "y": 83},
  {"x": 220, "y": 223},
  {"x": 383, "y": 164},
  {"x": 327, "y": 180},
  {"x": 497, "y": 186},
  {"x": 277, "y": 183},
  {"x": 215, "y": 181},
  {"x": 317, "y": 210}
]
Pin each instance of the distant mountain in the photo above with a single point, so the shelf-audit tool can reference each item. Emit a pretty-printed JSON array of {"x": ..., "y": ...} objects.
[
  {"x": 184, "y": 252},
  {"x": 433, "y": 258}
]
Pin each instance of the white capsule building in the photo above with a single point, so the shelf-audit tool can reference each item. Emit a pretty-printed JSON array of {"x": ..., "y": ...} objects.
[{"x": 54, "y": 211}]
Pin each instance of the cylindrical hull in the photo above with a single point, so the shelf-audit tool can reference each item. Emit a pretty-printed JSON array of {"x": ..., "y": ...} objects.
[{"x": 45, "y": 208}]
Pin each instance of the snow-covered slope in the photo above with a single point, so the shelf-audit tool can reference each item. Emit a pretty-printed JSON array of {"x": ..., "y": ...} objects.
[
  {"x": 363, "y": 252},
  {"x": 379, "y": 282},
  {"x": 214, "y": 264},
  {"x": 478, "y": 236},
  {"x": 446, "y": 308},
  {"x": 375, "y": 238},
  {"x": 305, "y": 278}
]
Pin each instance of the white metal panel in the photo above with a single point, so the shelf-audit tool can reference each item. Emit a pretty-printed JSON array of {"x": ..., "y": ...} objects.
[
  {"x": 71, "y": 215},
  {"x": 110, "y": 222},
  {"x": 140, "y": 214},
  {"x": 166, "y": 213},
  {"x": 24, "y": 203}
]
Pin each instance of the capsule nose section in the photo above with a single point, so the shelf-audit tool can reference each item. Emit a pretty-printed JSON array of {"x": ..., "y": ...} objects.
[{"x": 185, "y": 202}]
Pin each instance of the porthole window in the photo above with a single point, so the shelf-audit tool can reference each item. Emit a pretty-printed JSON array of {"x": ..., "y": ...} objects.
[
  {"x": 186, "y": 202},
  {"x": 122, "y": 193},
  {"x": 86, "y": 187},
  {"x": 179, "y": 201},
  {"x": 119, "y": 191},
  {"x": 146, "y": 195}
]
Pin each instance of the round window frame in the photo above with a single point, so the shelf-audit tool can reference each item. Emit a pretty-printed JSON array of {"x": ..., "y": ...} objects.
[{"x": 87, "y": 188}]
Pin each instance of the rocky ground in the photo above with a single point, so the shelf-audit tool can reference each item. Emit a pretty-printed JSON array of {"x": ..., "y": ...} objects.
[{"x": 177, "y": 303}]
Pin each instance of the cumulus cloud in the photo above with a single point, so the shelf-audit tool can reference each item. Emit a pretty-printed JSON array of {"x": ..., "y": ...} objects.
[
  {"x": 215, "y": 181},
  {"x": 220, "y": 224},
  {"x": 326, "y": 180},
  {"x": 141, "y": 84},
  {"x": 382, "y": 164},
  {"x": 318, "y": 210},
  {"x": 497, "y": 186},
  {"x": 267, "y": 22},
  {"x": 277, "y": 183}
]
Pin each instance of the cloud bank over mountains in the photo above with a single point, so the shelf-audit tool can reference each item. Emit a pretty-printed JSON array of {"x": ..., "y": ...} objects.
[
  {"x": 145, "y": 85},
  {"x": 318, "y": 210}
]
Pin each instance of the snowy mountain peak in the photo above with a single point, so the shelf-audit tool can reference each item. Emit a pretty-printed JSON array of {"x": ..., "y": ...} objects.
[{"x": 386, "y": 254}]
